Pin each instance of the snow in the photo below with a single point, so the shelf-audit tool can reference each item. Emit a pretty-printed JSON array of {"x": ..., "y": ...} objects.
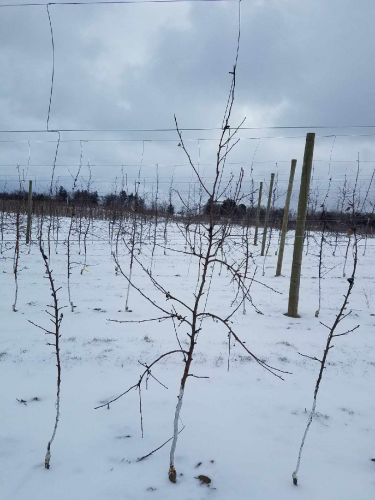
[{"x": 244, "y": 426}]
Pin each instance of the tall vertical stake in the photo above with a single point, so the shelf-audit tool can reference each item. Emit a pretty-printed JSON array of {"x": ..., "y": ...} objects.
[
  {"x": 284, "y": 227},
  {"x": 300, "y": 226},
  {"x": 29, "y": 210},
  {"x": 258, "y": 214},
  {"x": 267, "y": 215}
]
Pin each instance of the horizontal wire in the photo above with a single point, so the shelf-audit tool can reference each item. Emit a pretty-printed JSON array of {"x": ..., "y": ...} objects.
[
  {"x": 329, "y": 136},
  {"x": 255, "y": 178},
  {"x": 97, "y": 165},
  {"x": 40, "y": 141},
  {"x": 201, "y": 129},
  {"x": 176, "y": 181},
  {"x": 112, "y": 2}
]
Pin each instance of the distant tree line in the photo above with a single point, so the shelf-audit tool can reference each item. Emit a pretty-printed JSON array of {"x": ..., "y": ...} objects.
[
  {"x": 335, "y": 219},
  {"x": 130, "y": 201},
  {"x": 61, "y": 195},
  {"x": 227, "y": 208}
]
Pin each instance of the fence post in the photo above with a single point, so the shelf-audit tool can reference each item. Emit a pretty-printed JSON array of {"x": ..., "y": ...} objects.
[
  {"x": 300, "y": 226},
  {"x": 267, "y": 216},
  {"x": 29, "y": 210},
  {"x": 258, "y": 214},
  {"x": 284, "y": 227}
]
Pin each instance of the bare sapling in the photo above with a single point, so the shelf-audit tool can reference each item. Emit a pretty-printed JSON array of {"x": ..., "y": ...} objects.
[
  {"x": 51, "y": 196},
  {"x": 208, "y": 241},
  {"x": 56, "y": 320},
  {"x": 70, "y": 231},
  {"x": 349, "y": 235},
  {"x": 16, "y": 259},
  {"x": 132, "y": 243},
  {"x": 352, "y": 208},
  {"x": 58, "y": 226},
  {"x": 156, "y": 205},
  {"x": 275, "y": 197},
  {"x": 69, "y": 255},
  {"x": 29, "y": 213},
  {"x": 79, "y": 228},
  {"x": 320, "y": 266},
  {"x": 122, "y": 217},
  {"x": 89, "y": 218},
  {"x": 2, "y": 224},
  {"x": 142, "y": 219},
  {"x": 246, "y": 246},
  {"x": 312, "y": 205},
  {"x": 269, "y": 210},
  {"x": 321, "y": 245},
  {"x": 16, "y": 256},
  {"x": 4, "y": 218},
  {"x": 140, "y": 203},
  {"x": 370, "y": 216},
  {"x": 120, "y": 231},
  {"x": 363, "y": 210},
  {"x": 342, "y": 200},
  {"x": 331, "y": 335},
  {"x": 84, "y": 267},
  {"x": 169, "y": 213}
]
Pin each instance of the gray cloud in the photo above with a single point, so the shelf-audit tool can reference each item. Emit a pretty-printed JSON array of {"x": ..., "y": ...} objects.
[{"x": 134, "y": 66}]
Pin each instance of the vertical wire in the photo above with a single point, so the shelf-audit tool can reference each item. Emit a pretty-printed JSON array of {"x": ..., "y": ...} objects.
[{"x": 53, "y": 66}]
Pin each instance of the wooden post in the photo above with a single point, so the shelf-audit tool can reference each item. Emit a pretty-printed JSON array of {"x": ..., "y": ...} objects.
[
  {"x": 284, "y": 227},
  {"x": 300, "y": 226},
  {"x": 29, "y": 210},
  {"x": 267, "y": 215},
  {"x": 258, "y": 214}
]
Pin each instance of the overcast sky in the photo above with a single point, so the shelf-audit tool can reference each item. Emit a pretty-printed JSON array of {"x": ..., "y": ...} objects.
[{"x": 301, "y": 63}]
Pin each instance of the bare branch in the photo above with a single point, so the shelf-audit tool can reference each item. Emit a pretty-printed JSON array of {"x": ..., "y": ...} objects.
[{"x": 135, "y": 386}]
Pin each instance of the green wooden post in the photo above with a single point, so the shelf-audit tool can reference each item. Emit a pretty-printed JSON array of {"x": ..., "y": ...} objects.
[
  {"x": 29, "y": 212},
  {"x": 258, "y": 214},
  {"x": 300, "y": 226},
  {"x": 284, "y": 227},
  {"x": 267, "y": 215}
]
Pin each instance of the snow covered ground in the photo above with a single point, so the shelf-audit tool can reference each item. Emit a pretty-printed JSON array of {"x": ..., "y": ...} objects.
[{"x": 243, "y": 427}]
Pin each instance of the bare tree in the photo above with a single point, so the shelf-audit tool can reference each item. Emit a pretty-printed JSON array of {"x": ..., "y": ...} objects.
[
  {"x": 16, "y": 260},
  {"x": 354, "y": 203},
  {"x": 57, "y": 317},
  {"x": 331, "y": 335},
  {"x": 70, "y": 231},
  {"x": 322, "y": 241},
  {"x": 89, "y": 218},
  {"x": 209, "y": 242},
  {"x": 132, "y": 243}
]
